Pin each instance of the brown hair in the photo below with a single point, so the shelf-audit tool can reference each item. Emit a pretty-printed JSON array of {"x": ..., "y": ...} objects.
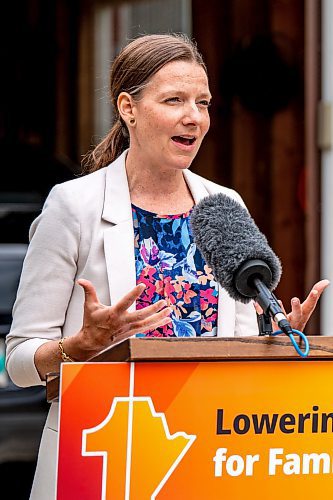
[{"x": 130, "y": 72}]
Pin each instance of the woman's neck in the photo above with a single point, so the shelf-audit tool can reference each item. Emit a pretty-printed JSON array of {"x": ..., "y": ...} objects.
[{"x": 158, "y": 191}]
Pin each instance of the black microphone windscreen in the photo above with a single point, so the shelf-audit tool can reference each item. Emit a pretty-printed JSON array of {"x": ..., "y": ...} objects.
[{"x": 227, "y": 237}]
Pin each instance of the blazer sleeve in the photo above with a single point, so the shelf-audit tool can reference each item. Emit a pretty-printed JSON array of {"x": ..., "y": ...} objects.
[
  {"x": 46, "y": 285},
  {"x": 246, "y": 320}
]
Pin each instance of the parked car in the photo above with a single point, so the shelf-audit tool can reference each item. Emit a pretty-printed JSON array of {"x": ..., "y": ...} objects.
[{"x": 22, "y": 410}]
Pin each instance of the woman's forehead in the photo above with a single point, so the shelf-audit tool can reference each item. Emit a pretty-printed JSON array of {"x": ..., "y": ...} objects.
[{"x": 176, "y": 74}]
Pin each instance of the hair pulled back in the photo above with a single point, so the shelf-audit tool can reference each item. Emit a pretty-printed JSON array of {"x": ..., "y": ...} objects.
[{"x": 131, "y": 71}]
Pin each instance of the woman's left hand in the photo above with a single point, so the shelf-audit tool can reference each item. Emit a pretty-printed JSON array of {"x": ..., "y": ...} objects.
[{"x": 301, "y": 312}]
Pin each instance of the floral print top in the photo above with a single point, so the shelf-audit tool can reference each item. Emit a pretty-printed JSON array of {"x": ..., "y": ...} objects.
[{"x": 172, "y": 268}]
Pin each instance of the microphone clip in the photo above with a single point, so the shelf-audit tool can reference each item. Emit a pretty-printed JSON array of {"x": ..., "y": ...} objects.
[{"x": 264, "y": 324}]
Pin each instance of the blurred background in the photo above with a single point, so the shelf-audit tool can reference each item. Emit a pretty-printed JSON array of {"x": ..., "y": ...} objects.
[{"x": 270, "y": 65}]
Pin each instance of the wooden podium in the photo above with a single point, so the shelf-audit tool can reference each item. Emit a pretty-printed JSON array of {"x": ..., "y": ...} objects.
[
  {"x": 197, "y": 419},
  {"x": 208, "y": 349}
]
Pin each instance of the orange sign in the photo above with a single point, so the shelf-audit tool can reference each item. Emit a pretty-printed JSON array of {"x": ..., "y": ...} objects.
[{"x": 196, "y": 430}]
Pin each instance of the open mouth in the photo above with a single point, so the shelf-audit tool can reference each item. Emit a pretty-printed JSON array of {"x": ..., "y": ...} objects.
[{"x": 187, "y": 141}]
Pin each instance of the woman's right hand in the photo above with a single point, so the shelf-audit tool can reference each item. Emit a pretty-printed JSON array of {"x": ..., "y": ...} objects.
[{"x": 104, "y": 325}]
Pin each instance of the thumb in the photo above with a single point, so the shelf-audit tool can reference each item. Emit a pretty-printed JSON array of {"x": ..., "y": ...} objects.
[{"x": 89, "y": 291}]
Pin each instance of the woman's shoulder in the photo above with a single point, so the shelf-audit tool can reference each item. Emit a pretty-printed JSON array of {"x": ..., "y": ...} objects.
[
  {"x": 95, "y": 182},
  {"x": 77, "y": 197}
]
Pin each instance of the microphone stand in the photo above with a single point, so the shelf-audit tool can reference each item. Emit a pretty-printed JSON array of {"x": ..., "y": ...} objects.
[{"x": 250, "y": 281}]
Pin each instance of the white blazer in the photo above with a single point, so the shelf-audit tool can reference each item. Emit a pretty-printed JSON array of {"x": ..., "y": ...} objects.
[{"x": 86, "y": 231}]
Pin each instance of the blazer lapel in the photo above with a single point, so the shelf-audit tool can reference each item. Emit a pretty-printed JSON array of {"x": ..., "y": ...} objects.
[
  {"x": 225, "y": 320},
  {"x": 196, "y": 186},
  {"x": 119, "y": 237}
]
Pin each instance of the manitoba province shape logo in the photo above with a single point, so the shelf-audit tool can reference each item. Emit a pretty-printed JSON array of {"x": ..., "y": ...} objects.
[{"x": 139, "y": 453}]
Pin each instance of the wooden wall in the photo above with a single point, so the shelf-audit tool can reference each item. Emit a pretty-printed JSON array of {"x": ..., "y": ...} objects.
[
  {"x": 255, "y": 52},
  {"x": 263, "y": 70}
]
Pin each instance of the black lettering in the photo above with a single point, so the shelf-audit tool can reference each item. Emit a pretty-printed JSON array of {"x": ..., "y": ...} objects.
[
  {"x": 264, "y": 422},
  {"x": 301, "y": 419},
  {"x": 287, "y": 419},
  {"x": 315, "y": 420},
  {"x": 219, "y": 423},
  {"x": 325, "y": 418},
  {"x": 241, "y": 428}
]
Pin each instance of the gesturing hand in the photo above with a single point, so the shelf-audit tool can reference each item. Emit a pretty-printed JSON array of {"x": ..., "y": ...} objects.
[
  {"x": 105, "y": 325},
  {"x": 301, "y": 312}
]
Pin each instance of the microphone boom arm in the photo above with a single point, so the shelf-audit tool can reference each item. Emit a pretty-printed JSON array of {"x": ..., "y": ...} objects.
[
  {"x": 250, "y": 281},
  {"x": 270, "y": 305}
]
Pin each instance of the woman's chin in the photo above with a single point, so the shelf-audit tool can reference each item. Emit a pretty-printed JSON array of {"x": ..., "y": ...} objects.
[{"x": 183, "y": 161}]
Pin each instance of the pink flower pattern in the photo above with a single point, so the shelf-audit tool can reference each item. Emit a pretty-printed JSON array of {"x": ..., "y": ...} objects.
[{"x": 171, "y": 267}]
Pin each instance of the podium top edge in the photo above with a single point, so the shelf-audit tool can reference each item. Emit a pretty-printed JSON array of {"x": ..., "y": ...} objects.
[
  {"x": 208, "y": 349},
  {"x": 212, "y": 348}
]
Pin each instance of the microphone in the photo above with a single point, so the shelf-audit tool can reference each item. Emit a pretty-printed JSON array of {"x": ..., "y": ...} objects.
[{"x": 238, "y": 253}]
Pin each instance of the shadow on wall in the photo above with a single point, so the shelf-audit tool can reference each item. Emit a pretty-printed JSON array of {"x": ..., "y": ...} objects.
[{"x": 264, "y": 73}]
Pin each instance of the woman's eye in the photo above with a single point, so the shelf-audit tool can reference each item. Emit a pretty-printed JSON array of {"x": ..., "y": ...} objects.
[
  {"x": 173, "y": 99},
  {"x": 205, "y": 103}
]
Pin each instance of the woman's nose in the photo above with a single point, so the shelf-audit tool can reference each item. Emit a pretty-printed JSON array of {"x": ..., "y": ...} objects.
[{"x": 192, "y": 114}]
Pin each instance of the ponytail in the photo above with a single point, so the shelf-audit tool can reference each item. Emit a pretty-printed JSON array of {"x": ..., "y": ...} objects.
[{"x": 113, "y": 144}]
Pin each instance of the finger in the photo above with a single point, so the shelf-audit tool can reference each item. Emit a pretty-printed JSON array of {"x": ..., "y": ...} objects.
[
  {"x": 311, "y": 301},
  {"x": 309, "y": 304},
  {"x": 153, "y": 321},
  {"x": 282, "y": 307},
  {"x": 295, "y": 317},
  {"x": 320, "y": 286},
  {"x": 129, "y": 333},
  {"x": 307, "y": 308},
  {"x": 145, "y": 312},
  {"x": 258, "y": 308},
  {"x": 157, "y": 324},
  {"x": 129, "y": 298},
  {"x": 89, "y": 291}
]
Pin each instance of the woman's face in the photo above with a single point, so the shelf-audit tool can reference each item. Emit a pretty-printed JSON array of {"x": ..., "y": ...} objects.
[{"x": 172, "y": 116}]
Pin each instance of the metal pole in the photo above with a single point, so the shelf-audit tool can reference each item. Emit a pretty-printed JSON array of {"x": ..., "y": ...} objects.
[{"x": 327, "y": 165}]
